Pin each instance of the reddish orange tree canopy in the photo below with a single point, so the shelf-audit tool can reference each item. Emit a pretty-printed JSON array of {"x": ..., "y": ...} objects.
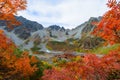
[
  {"x": 109, "y": 27},
  {"x": 8, "y": 8}
]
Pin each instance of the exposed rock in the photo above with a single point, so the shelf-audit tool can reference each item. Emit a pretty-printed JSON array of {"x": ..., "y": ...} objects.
[
  {"x": 26, "y": 27},
  {"x": 54, "y": 27},
  {"x": 31, "y": 26},
  {"x": 89, "y": 24},
  {"x": 32, "y": 30},
  {"x": 87, "y": 41},
  {"x": 76, "y": 32},
  {"x": 83, "y": 33},
  {"x": 36, "y": 39},
  {"x": 24, "y": 35},
  {"x": 62, "y": 29}
]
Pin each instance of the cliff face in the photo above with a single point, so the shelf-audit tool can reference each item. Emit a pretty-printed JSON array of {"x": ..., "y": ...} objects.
[
  {"x": 89, "y": 24},
  {"x": 26, "y": 27}
]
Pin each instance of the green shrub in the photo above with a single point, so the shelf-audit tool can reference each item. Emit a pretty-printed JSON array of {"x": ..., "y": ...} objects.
[{"x": 18, "y": 52}]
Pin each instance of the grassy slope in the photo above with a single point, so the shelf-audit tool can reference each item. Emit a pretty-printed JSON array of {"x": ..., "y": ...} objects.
[
  {"x": 60, "y": 46},
  {"x": 105, "y": 50}
]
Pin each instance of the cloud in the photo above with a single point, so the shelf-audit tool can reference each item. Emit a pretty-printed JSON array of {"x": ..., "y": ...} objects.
[{"x": 67, "y": 13}]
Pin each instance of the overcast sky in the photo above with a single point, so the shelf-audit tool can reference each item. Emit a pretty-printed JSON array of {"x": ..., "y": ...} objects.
[{"x": 67, "y": 13}]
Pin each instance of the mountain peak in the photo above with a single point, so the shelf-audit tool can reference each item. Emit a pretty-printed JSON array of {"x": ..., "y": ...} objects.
[
  {"x": 94, "y": 19},
  {"x": 56, "y": 28}
]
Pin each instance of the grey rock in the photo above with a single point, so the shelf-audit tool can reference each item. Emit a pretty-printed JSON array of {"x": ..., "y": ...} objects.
[
  {"x": 54, "y": 27},
  {"x": 26, "y": 27},
  {"x": 35, "y": 32},
  {"x": 89, "y": 24},
  {"x": 24, "y": 35}
]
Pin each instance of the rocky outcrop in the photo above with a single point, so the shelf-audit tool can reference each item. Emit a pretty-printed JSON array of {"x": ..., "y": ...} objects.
[
  {"x": 87, "y": 41},
  {"x": 31, "y": 26},
  {"x": 57, "y": 33},
  {"x": 89, "y": 24},
  {"x": 54, "y": 27},
  {"x": 24, "y": 34},
  {"x": 26, "y": 27},
  {"x": 84, "y": 28}
]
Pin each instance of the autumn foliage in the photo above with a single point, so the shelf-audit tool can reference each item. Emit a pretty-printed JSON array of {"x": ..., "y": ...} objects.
[
  {"x": 12, "y": 66},
  {"x": 8, "y": 8},
  {"x": 109, "y": 27},
  {"x": 90, "y": 67}
]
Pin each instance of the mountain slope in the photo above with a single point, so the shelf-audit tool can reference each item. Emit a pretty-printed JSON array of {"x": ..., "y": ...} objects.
[{"x": 31, "y": 33}]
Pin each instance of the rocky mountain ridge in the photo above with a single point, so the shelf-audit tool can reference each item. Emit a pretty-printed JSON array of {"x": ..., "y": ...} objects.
[{"x": 30, "y": 33}]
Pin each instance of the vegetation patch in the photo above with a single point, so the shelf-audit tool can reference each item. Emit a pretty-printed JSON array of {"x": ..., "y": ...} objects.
[
  {"x": 105, "y": 49},
  {"x": 35, "y": 49},
  {"x": 60, "y": 46}
]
